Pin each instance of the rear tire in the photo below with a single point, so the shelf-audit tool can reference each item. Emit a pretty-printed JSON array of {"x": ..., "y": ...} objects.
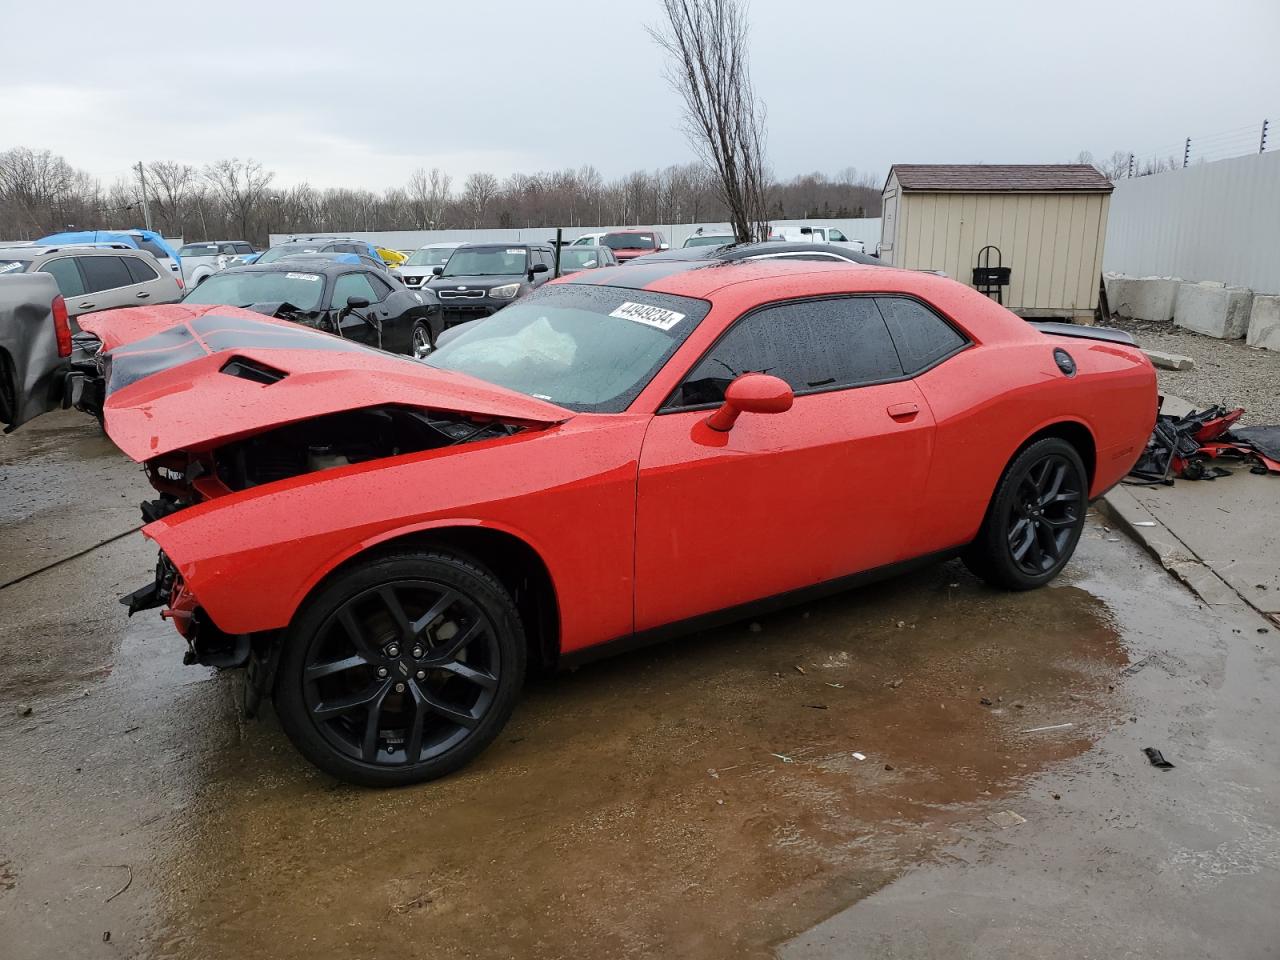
[
  {"x": 422, "y": 343},
  {"x": 1035, "y": 518},
  {"x": 401, "y": 669}
]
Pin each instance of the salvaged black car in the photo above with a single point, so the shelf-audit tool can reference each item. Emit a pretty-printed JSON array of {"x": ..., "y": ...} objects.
[{"x": 347, "y": 298}]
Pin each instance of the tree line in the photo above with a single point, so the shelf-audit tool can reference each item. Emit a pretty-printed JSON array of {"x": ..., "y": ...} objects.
[{"x": 233, "y": 199}]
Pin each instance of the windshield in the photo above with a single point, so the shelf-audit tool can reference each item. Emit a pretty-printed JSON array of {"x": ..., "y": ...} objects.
[
  {"x": 581, "y": 259},
  {"x": 628, "y": 241},
  {"x": 302, "y": 289},
  {"x": 11, "y": 266},
  {"x": 584, "y": 347},
  {"x": 430, "y": 257},
  {"x": 487, "y": 262},
  {"x": 285, "y": 249},
  {"x": 199, "y": 250},
  {"x": 707, "y": 241}
]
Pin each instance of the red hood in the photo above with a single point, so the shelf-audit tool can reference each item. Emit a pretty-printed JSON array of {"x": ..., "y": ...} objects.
[{"x": 192, "y": 378}]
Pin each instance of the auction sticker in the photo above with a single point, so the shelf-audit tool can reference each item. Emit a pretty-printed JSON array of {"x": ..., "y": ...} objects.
[
  {"x": 302, "y": 276},
  {"x": 659, "y": 317}
]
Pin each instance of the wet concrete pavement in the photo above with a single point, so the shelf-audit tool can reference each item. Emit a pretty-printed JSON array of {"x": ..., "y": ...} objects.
[{"x": 700, "y": 799}]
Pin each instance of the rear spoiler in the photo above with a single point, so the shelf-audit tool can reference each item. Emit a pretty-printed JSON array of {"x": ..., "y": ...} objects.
[{"x": 1109, "y": 334}]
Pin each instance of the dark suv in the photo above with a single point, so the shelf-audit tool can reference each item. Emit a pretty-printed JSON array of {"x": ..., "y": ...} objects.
[{"x": 482, "y": 278}]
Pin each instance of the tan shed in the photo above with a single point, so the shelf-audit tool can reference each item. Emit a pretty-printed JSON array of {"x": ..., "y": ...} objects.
[{"x": 1030, "y": 235}]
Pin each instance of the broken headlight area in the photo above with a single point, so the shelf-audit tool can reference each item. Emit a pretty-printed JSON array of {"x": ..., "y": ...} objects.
[{"x": 341, "y": 439}]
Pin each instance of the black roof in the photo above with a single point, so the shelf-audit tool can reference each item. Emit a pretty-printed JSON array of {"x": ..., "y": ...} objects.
[{"x": 755, "y": 248}]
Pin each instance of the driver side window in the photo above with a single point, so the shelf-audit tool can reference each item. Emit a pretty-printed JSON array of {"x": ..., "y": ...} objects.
[
  {"x": 814, "y": 345},
  {"x": 353, "y": 285},
  {"x": 834, "y": 234}
]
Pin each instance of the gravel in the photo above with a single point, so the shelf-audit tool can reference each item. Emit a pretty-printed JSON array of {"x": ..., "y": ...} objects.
[{"x": 1227, "y": 372}]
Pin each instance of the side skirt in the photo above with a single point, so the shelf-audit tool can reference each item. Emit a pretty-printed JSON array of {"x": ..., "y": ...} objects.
[{"x": 706, "y": 621}]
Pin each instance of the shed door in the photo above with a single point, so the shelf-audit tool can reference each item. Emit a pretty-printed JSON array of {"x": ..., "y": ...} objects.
[{"x": 888, "y": 223}]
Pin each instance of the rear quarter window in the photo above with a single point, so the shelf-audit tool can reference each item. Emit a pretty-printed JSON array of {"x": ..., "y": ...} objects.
[
  {"x": 921, "y": 336},
  {"x": 140, "y": 270}
]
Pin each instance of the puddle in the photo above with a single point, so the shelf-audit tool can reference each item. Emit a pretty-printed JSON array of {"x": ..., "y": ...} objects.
[{"x": 643, "y": 805}]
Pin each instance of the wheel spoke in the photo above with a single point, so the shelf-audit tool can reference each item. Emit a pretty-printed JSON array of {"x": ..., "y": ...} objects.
[
  {"x": 1047, "y": 542},
  {"x": 480, "y": 678},
  {"x": 1027, "y": 536},
  {"x": 1062, "y": 523},
  {"x": 413, "y": 742},
  {"x": 392, "y": 603},
  {"x": 355, "y": 633},
  {"x": 1055, "y": 485},
  {"x": 464, "y": 718},
  {"x": 1033, "y": 548},
  {"x": 373, "y": 693},
  {"x": 319, "y": 670},
  {"x": 437, "y": 610},
  {"x": 369, "y": 747},
  {"x": 448, "y": 653}
]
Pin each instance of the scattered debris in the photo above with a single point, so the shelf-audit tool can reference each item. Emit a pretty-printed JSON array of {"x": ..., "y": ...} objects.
[
  {"x": 859, "y": 756},
  {"x": 1144, "y": 523},
  {"x": 800, "y": 670},
  {"x": 1019, "y": 706},
  {"x": 417, "y": 903},
  {"x": 1264, "y": 629},
  {"x": 1056, "y": 796},
  {"x": 901, "y": 624},
  {"x": 24, "y": 709},
  {"x": 106, "y": 936},
  {"x": 816, "y": 706},
  {"x": 1005, "y": 819},
  {"x": 1180, "y": 446},
  {"x": 1056, "y": 726},
  {"x": 783, "y": 757},
  {"x": 127, "y": 883},
  {"x": 985, "y": 701},
  {"x": 838, "y": 686},
  {"x": 888, "y": 766},
  {"x": 1137, "y": 665},
  {"x": 895, "y": 684},
  {"x": 1157, "y": 758}
]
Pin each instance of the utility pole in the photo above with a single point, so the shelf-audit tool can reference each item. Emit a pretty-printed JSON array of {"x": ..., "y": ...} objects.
[
  {"x": 1131, "y": 166},
  {"x": 1186, "y": 154},
  {"x": 1262, "y": 143},
  {"x": 146, "y": 209}
]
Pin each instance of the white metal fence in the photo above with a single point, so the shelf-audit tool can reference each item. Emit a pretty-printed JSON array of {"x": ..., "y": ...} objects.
[
  {"x": 867, "y": 230},
  {"x": 1212, "y": 221}
]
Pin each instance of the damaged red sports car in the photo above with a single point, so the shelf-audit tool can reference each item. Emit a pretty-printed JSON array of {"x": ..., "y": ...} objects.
[{"x": 388, "y": 544}]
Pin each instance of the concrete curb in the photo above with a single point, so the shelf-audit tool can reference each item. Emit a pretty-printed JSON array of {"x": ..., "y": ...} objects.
[{"x": 1141, "y": 525}]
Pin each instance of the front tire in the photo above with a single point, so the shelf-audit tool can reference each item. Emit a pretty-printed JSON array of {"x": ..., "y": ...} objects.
[
  {"x": 401, "y": 669},
  {"x": 421, "y": 343},
  {"x": 1035, "y": 518}
]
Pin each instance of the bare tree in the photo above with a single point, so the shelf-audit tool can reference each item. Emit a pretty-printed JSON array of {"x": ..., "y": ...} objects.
[
  {"x": 478, "y": 192},
  {"x": 707, "y": 43},
  {"x": 170, "y": 183},
  {"x": 240, "y": 186}
]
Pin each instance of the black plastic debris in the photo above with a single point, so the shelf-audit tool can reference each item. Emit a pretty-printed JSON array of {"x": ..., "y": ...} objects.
[{"x": 1157, "y": 758}]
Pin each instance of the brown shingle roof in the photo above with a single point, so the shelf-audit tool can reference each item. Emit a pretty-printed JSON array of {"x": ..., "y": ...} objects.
[{"x": 1000, "y": 178}]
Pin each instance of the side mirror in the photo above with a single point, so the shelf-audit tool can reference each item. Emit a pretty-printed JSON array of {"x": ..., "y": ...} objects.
[
  {"x": 436, "y": 271},
  {"x": 357, "y": 303},
  {"x": 751, "y": 393},
  {"x": 539, "y": 268}
]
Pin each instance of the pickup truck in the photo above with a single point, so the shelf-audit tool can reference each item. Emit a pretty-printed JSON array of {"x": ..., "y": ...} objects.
[
  {"x": 202, "y": 260},
  {"x": 808, "y": 234},
  {"x": 35, "y": 347}
]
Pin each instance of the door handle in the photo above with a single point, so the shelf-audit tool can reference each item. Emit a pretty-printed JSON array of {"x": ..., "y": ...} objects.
[
  {"x": 902, "y": 411},
  {"x": 84, "y": 306},
  {"x": 144, "y": 295}
]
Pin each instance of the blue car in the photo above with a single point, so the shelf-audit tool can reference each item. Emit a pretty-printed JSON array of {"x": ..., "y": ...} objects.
[
  {"x": 147, "y": 240},
  {"x": 306, "y": 245}
]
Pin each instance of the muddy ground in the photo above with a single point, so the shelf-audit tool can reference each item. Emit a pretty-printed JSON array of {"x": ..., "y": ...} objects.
[{"x": 701, "y": 799}]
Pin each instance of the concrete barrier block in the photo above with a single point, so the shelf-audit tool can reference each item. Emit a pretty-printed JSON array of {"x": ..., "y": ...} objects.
[
  {"x": 1264, "y": 323},
  {"x": 1143, "y": 298},
  {"x": 1214, "y": 310},
  {"x": 1169, "y": 361}
]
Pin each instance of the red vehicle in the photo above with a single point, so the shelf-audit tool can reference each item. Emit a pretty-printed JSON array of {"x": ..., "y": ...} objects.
[
  {"x": 629, "y": 244},
  {"x": 620, "y": 456}
]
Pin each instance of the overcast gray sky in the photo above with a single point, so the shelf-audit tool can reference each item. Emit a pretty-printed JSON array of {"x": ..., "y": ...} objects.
[{"x": 361, "y": 94}]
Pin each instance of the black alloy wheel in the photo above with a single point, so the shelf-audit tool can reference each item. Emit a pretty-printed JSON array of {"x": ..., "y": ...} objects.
[
  {"x": 1034, "y": 520},
  {"x": 1043, "y": 514},
  {"x": 401, "y": 670}
]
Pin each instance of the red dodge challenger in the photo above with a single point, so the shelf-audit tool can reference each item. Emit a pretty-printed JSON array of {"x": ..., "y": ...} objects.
[{"x": 622, "y": 455}]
